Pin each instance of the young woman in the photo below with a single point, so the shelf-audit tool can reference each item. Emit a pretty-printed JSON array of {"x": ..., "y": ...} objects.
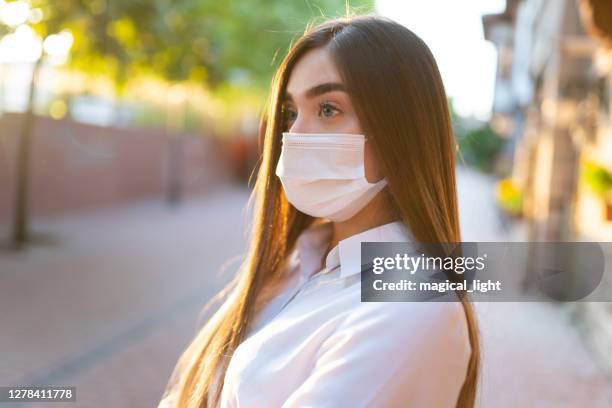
[{"x": 357, "y": 147}]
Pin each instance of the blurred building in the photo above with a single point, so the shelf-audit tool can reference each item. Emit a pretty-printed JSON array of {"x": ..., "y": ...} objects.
[{"x": 552, "y": 99}]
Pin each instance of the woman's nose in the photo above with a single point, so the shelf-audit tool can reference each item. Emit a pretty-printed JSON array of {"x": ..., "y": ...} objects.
[
  {"x": 300, "y": 126},
  {"x": 296, "y": 129}
]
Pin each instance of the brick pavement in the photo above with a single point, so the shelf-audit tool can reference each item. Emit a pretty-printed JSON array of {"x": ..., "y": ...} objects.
[{"x": 113, "y": 302}]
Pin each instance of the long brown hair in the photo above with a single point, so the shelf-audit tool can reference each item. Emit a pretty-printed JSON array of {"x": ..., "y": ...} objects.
[{"x": 398, "y": 96}]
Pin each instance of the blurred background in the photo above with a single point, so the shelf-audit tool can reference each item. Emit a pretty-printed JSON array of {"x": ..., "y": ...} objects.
[{"x": 128, "y": 134}]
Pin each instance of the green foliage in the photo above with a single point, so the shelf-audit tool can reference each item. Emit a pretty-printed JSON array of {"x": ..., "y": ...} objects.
[
  {"x": 480, "y": 147},
  {"x": 210, "y": 41},
  {"x": 476, "y": 147},
  {"x": 597, "y": 178}
]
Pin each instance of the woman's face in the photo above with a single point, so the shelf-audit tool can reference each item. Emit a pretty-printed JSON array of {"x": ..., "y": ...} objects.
[{"x": 316, "y": 102}]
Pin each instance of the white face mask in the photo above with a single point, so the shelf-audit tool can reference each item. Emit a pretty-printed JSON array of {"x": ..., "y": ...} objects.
[{"x": 323, "y": 174}]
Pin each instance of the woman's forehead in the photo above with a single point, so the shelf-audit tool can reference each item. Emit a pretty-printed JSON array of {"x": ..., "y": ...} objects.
[{"x": 313, "y": 68}]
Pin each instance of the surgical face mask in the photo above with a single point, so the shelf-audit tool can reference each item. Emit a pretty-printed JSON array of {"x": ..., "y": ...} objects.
[{"x": 323, "y": 174}]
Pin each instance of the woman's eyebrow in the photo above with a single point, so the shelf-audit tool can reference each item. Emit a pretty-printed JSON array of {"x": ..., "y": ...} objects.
[{"x": 320, "y": 90}]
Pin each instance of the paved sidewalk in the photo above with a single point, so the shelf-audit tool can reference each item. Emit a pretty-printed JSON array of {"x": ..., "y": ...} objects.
[
  {"x": 532, "y": 354},
  {"x": 111, "y": 304}
]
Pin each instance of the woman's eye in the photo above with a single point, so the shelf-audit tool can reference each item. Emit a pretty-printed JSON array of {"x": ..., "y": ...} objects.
[
  {"x": 290, "y": 114},
  {"x": 327, "y": 109}
]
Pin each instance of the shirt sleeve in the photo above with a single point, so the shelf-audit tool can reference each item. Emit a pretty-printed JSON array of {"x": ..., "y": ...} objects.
[{"x": 406, "y": 354}]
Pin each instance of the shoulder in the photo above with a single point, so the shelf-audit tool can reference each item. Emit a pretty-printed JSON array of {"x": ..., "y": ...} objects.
[
  {"x": 402, "y": 316},
  {"x": 406, "y": 351},
  {"x": 407, "y": 327}
]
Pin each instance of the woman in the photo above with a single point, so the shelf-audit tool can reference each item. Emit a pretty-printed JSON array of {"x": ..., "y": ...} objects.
[{"x": 357, "y": 147}]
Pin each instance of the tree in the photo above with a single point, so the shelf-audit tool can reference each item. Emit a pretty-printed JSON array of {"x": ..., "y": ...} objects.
[{"x": 209, "y": 41}]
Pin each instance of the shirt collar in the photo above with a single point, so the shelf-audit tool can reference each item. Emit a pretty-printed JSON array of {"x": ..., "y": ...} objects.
[{"x": 313, "y": 242}]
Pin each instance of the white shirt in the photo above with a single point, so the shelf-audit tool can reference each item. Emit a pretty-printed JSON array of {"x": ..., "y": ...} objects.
[{"x": 325, "y": 348}]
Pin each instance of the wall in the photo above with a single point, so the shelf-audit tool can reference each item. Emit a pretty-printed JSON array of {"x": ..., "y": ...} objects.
[{"x": 76, "y": 166}]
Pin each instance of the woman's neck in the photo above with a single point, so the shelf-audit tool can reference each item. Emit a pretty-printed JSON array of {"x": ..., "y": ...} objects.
[{"x": 372, "y": 215}]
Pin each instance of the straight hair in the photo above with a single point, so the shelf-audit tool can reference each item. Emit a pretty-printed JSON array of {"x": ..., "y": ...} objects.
[{"x": 399, "y": 98}]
